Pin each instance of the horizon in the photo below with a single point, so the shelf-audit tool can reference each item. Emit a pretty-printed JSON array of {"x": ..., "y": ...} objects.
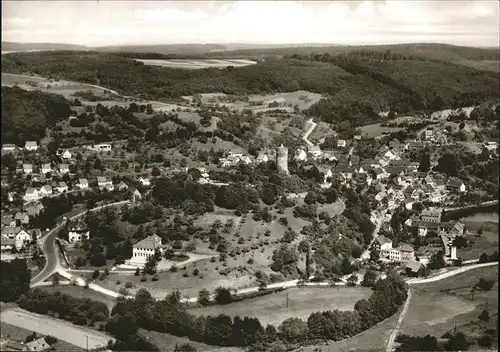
[{"x": 125, "y": 23}]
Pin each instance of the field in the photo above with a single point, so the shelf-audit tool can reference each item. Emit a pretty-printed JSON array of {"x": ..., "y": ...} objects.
[
  {"x": 259, "y": 103},
  {"x": 272, "y": 309},
  {"x": 63, "y": 330},
  {"x": 375, "y": 130},
  {"x": 434, "y": 312},
  {"x": 19, "y": 334},
  {"x": 483, "y": 65},
  {"x": 487, "y": 242},
  {"x": 197, "y": 64},
  {"x": 167, "y": 343},
  {"x": 80, "y": 292}
]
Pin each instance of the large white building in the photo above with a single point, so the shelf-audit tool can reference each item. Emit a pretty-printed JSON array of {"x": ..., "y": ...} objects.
[
  {"x": 145, "y": 248},
  {"x": 78, "y": 233}
]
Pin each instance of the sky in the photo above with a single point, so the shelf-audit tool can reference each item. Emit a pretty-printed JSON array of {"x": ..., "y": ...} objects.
[{"x": 105, "y": 23}]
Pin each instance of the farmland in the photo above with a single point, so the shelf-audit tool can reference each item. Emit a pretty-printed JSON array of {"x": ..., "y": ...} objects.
[
  {"x": 272, "y": 309},
  {"x": 197, "y": 64},
  {"x": 434, "y": 312}
]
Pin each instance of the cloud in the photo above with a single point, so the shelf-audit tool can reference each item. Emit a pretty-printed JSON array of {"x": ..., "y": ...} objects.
[
  {"x": 158, "y": 15},
  {"x": 18, "y": 21}
]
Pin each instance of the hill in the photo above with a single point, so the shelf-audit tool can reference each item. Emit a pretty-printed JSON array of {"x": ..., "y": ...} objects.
[
  {"x": 10, "y": 46},
  {"x": 26, "y": 114},
  {"x": 358, "y": 85}
]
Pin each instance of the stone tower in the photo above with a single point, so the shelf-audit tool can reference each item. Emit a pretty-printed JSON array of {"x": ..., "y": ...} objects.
[{"x": 282, "y": 159}]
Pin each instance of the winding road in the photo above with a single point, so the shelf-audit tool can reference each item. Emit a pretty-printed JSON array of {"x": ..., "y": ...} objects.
[{"x": 402, "y": 315}]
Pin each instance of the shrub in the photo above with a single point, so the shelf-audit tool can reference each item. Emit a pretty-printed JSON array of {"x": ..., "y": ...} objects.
[
  {"x": 250, "y": 261},
  {"x": 144, "y": 279},
  {"x": 154, "y": 278},
  {"x": 185, "y": 274},
  {"x": 196, "y": 272},
  {"x": 223, "y": 295},
  {"x": 173, "y": 269},
  {"x": 484, "y": 316},
  {"x": 50, "y": 339},
  {"x": 123, "y": 291},
  {"x": 485, "y": 341},
  {"x": 128, "y": 284},
  {"x": 118, "y": 282},
  {"x": 485, "y": 284}
]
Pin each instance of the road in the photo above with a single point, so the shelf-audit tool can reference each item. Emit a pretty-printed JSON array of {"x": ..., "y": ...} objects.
[
  {"x": 51, "y": 252},
  {"x": 63, "y": 330},
  {"x": 402, "y": 315},
  {"x": 308, "y": 133},
  {"x": 378, "y": 224}
]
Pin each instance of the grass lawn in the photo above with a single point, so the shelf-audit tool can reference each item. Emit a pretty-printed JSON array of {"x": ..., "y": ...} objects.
[
  {"x": 271, "y": 309},
  {"x": 167, "y": 342},
  {"x": 487, "y": 242},
  {"x": 17, "y": 334},
  {"x": 80, "y": 292},
  {"x": 434, "y": 312}
]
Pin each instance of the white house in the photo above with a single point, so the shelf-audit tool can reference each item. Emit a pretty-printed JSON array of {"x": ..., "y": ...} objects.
[
  {"x": 76, "y": 234},
  {"x": 8, "y": 148},
  {"x": 23, "y": 218},
  {"x": 46, "y": 168},
  {"x": 403, "y": 254},
  {"x": 66, "y": 155},
  {"x": 246, "y": 159},
  {"x": 46, "y": 190},
  {"x": 31, "y": 194},
  {"x": 6, "y": 244},
  {"x": 315, "y": 150},
  {"x": 383, "y": 244},
  {"x": 22, "y": 238},
  {"x": 341, "y": 143},
  {"x": 31, "y": 146},
  {"x": 301, "y": 155},
  {"x": 64, "y": 169},
  {"x": 62, "y": 187},
  {"x": 102, "y": 183},
  {"x": 102, "y": 147},
  {"x": 144, "y": 181},
  {"x": 146, "y": 248},
  {"x": 262, "y": 158},
  {"x": 28, "y": 168},
  {"x": 122, "y": 186},
  {"x": 83, "y": 183}
]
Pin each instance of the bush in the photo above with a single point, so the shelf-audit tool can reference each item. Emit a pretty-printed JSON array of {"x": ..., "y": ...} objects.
[
  {"x": 50, "y": 339},
  {"x": 173, "y": 269},
  {"x": 118, "y": 282},
  {"x": 123, "y": 291},
  {"x": 196, "y": 272},
  {"x": 484, "y": 316},
  {"x": 185, "y": 274},
  {"x": 223, "y": 295},
  {"x": 485, "y": 284},
  {"x": 144, "y": 279},
  {"x": 485, "y": 341},
  {"x": 155, "y": 278},
  {"x": 128, "y": 284}
]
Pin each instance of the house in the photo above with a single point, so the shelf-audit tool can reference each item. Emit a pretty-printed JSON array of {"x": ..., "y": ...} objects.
[
  {"x": 416, "y": 146},
  {"x": 21, "y": 218},
  {"x": 102, "y": 147},
  {"x": 403, "y": 253},
  {"x": 458, "y": 229},
  {"x": 78, "y": 233},
  {"x": 31, "y": 146},
  {"x": 380, "y": 173},
  {"x": 83, "y": 183},
  {"x": 28, "y": 169},
  {"x": 431, "y": 215},
  {"x": 428, "y": 134},
  {"x": 8, "y": 148},
  {"x": 66, "y": 155},
  {"x": 46, "y": 190},
  {"x": 46, "y": 168},
  {"x": 146, "y": 247},
  {"x": 62, "y": 187},
  {"x": 341, "y": 143},
  {"x": 390, "y": 155},
  {"x": 144, "y": 181},
  {"x": 38, "y": 345},
  {"x": 382, "y": 244},
  {"x": 327, "y": 173},
  {"x": 22, "y": 238},
  {"x": 380, "y": 195},
  {"x": 102, "y": 183},
  {"x": 246, "y": 159},
  {"x": 64, "y": 169},
  {"x": 415, "y": 268},
  {"x": 136, "y": 195},
  {"x": 422, "y": 231},
  {"x": 31, "y": 194},
  {"x": 315, "y": 151},
  {"x": 6, "y": 244},
  {"x": 395, "y": 143},
  {"x": 456, "y": 185},
  {"x": 262, "y": 157},
  {"x": 122, "y": 186},
  {"x": 354, "y": 160}
]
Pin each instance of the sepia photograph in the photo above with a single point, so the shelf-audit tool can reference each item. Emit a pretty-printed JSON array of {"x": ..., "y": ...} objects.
[{"x": 250, "y": 176}]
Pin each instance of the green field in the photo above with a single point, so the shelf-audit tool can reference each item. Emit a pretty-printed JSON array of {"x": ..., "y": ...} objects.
[{"x": 272, "y": 308}]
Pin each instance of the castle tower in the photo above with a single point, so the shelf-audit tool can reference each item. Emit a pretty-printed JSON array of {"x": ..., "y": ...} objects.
[{"x": 282, "y": 160}]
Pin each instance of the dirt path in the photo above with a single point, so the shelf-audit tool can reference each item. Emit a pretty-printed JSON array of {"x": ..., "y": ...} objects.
[
  {"x": 394, "y": 333},
  {"x": 62, "y": 330}
]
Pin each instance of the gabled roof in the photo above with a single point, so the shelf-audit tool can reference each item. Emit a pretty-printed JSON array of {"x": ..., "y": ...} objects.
[
  {"x": 62, "y": 184},
  {"x": 46, "y": 166},
  {"x": 414, "y": 265},
  {"x": 31, "y": 190},
  {"x": 406, "y": 248},
  {"x": 46, "y": 188},
  {"x": 38, "y": 345},
  {"x": 383, "y": 240},
  {"x": 151, "y": 242},
  {"x": 27, "y": 166},
  {"x": 83, "y": 180},
  {"x": 101, "y": 179},
  {"x": 30, "y": 144}
]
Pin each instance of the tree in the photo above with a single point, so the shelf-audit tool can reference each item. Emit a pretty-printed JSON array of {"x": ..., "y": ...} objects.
[
  {"x": 457, "y": 342},
  {"x": 370, "y": 278},
  {"x": 485, "y": 340},
  {"x": 425, "y": 162},
  {"x": 310, "y": 198},
  {"x": 293, "y": 329},
  {"x": 223, "y": 295},
  {"x": 483, "y": 258},
  {"x": 352, "y": 280},
  {"x": 480, "y": 232},
  {"x": 204, "y": 297},
  {"x": 151, "y": 264},
  {"x": 346, "y": 266},
  {"x": 437, "y": 260},
  {"x": 14, "y": 280},
  {"x": 122, "y": 326},
  {"x": 484, "y": 316},
  {"x": 95, "y": 274},
  {"x": 155, "y": 172},
  {"x": 485, "y": 284}
]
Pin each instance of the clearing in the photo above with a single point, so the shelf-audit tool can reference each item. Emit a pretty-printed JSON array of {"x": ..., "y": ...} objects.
[
  {"x": 62, "y": 330},
  {"x": 272, "y": 309},
  {"x": 376, "y": 130},
  {"x": 434, "y": 312},
  {"x": 197, "y": 64}
]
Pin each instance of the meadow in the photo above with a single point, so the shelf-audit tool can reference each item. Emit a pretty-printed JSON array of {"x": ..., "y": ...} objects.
[{"x": 197, "y": 64}]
